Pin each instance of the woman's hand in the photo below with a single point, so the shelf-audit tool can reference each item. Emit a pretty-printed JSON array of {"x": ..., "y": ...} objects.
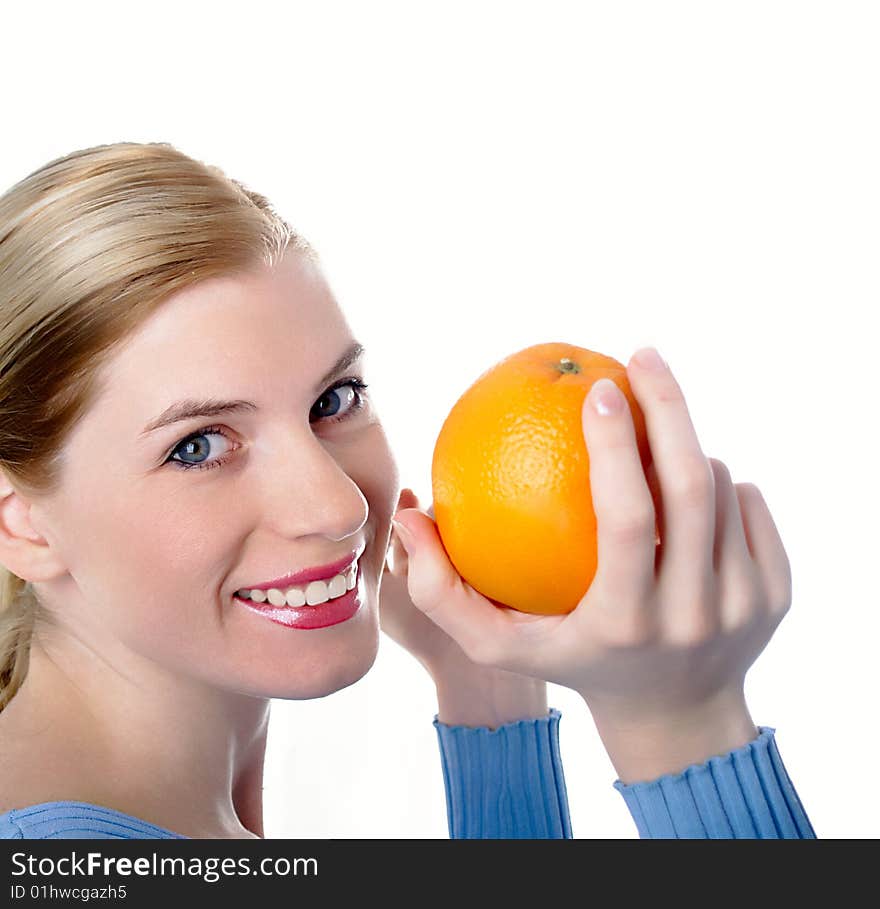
[
  {"x": 660, "y": 644},
  {"x": 468, "y": 694}
]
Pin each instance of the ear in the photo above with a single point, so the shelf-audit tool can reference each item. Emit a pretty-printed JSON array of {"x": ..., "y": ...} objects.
[{"x": 23, "y": 549}]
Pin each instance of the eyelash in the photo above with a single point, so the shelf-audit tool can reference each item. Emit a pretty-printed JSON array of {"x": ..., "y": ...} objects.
[{"x": 359, "y": 403}]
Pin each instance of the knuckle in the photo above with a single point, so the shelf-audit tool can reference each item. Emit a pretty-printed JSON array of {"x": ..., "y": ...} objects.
[
  {"x": 741, "y": 605},
  {"x": 633, "y": 528},
  {"x": 780, "y": 605},
  {"x": 693, "y": 618},
  {"x": 695, "y": 482},
  {"x": 669, "y": 392}
]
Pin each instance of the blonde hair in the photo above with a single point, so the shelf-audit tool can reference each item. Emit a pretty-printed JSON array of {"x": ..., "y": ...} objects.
[{"x": 90, "y": 246}]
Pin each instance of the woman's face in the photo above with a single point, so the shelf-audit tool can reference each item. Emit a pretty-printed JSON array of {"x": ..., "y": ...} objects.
[{"x": 154, "y": 551}]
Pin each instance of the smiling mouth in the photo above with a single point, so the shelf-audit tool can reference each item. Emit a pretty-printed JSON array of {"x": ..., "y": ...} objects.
[
  {"x": 312, "y": 594},
  {"x": 320, "y": 613}
]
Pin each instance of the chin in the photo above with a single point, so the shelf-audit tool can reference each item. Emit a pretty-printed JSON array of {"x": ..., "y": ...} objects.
[{"x": 337, "y": 668}]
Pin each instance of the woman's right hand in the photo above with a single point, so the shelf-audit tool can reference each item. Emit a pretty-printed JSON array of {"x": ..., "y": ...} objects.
[{"x": 665, "y": 634}]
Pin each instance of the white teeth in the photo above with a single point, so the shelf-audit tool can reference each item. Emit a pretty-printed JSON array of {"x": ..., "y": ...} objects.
[
  {"x": 337, "y": 586},
  {"x": 315, "y": 593},
  {"x": 275, "y": 597},
  {"x": 295, "y": 597}
]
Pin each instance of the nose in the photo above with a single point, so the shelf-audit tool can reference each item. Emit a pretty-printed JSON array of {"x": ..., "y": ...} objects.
[{"x": 306, "y": 489}]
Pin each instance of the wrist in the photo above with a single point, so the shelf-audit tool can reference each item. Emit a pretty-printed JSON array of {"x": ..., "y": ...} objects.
[
  {"x": 481, "y": 696},
  {"x": 642, "y": 748}
]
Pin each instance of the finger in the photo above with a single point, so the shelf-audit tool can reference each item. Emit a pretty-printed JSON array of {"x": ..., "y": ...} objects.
[
  {"x": 738, "y": 581},
  {"x": 481, "y": 629},
  {"x": 407, "y": 499},
  {"x": 396, "y": 558},
  {"x": 687, "y": 482},
  {"x": 625, "y": 519},
  {"x": 766, "y": 548}
]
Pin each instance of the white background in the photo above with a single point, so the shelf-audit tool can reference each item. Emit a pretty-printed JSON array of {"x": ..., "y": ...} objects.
[{"x": 483, "y": 176}]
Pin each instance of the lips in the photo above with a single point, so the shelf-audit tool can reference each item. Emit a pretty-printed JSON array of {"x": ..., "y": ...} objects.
[{"x": 299, "y": 578}]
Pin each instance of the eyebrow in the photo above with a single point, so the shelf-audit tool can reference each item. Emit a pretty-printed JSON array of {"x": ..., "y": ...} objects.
[{"x": 212, "y": 407}]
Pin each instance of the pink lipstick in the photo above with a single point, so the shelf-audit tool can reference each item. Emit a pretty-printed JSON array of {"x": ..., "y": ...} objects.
[
  {"x": 331, "y": 612},
  {"x": 300, "y": 578}
]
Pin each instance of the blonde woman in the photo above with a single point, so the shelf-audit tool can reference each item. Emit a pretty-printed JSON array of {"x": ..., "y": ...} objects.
[{"x": 196, "y": 497}]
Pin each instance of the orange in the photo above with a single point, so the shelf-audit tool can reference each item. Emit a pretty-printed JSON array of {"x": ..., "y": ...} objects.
[{"x": 510, "y": 477}]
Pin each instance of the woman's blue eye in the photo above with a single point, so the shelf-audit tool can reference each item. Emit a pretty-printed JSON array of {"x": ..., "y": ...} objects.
[
  {"x": 358, "y": 399},
  {"x": 358, "y": 404}
]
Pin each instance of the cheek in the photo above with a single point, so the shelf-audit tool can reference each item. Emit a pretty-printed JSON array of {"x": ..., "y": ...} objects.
[
  {"x": 377, "y": 475},
  {"x": 156, "y": 556},
  {"x": 173, "y": 548}
]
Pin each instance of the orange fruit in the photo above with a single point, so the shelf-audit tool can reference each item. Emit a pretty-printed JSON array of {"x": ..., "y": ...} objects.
[{"x": 510, "y": 477}]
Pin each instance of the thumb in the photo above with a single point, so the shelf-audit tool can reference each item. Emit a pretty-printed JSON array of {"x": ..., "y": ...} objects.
[{"x": 482, "y": 629}]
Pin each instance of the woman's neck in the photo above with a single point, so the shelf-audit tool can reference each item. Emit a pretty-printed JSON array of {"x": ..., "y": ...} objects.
[{"x": 180, "y": 755}]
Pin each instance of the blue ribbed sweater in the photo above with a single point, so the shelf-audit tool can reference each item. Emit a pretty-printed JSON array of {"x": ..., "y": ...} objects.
[{"x": 507, "y": 783}]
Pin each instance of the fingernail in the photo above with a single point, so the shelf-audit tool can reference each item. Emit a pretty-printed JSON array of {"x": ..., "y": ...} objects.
[
  {"x": 649, "y": 358},
  {"x": 405, "y": 535},
  {"x": 606, "y": 397}
]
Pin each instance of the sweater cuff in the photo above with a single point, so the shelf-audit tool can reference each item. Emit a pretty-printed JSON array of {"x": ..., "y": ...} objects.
[
  {"x": 505, "y": 783},
  {"x": 743, "y": 794}
]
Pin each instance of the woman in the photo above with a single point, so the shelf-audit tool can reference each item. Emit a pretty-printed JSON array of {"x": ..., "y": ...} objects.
[{"x": 159, "y": 321}]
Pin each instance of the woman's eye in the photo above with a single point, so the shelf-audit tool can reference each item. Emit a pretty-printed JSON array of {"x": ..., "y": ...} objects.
[
  {"x": 350, "y": 401},
  {"x": 195, "y": 446},
  {"x": 341, "y": 404}
]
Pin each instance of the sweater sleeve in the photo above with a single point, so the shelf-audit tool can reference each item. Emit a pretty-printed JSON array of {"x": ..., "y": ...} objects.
[
  {"x": 69, "y": 820},
  {"x": 505, "y": 783},
  {"x": 743, "y": 794}
]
